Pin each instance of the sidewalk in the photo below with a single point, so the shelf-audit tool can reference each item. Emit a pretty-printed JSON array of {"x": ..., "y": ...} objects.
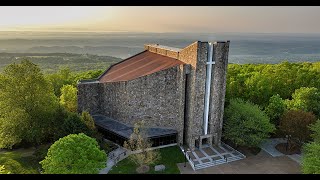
[
  {"x": 262, "y": 163},
  {"x": 269, "y": 147},
  {"x": 112, "y": 159}
]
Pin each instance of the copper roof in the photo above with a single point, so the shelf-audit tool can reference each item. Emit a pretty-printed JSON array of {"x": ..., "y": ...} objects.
[{"x": 139, "y": 65}]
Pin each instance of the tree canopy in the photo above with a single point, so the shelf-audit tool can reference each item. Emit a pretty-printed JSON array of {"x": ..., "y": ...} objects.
[
  {"x": 27, "y": 105},
  {"x": 246, "y": 124},
  {"x": 69, "y": 98},
  {"x": 74, "y": 154}
]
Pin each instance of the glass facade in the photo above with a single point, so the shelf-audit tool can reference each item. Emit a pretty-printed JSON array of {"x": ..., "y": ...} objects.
[{"x": 156, "y": 141}]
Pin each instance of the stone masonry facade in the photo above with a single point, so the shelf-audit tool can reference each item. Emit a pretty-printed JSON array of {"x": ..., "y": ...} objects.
[
  {"x": 163, "y": 99},
  {"x": 156, "y": 98}
]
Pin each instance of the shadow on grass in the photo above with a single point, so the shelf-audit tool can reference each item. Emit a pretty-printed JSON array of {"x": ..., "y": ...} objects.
[{"x": 18, "y": 162}]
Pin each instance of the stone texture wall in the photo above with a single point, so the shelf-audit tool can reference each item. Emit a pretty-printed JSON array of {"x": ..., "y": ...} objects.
[
  {"x": 218, "y": 91},
  {"x": 195, "y": 55},
  {"x": 89, "y": 97},
  {"x": 157, "y": 98}
]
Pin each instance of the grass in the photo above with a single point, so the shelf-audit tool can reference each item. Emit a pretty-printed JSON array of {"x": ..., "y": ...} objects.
[
  {"x": 19, "y": 162},
  {"x": 170, "y": 156}
]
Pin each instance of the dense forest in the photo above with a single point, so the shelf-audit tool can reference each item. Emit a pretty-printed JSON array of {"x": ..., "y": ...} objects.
[{"x": 259, "y": 82}]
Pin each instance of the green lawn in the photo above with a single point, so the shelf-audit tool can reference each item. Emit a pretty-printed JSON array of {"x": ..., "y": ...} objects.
[
  {"x": 170, "y": 156},
  {"x": 19, "y": 162}
]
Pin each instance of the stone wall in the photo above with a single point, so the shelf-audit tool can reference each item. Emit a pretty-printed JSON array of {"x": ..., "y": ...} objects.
[
  {"x": 89, "y": 97},
  {"x": 218, "y": 91},
  {"x": 195, "y": 55},
  {"x": 157, "y": 98}
]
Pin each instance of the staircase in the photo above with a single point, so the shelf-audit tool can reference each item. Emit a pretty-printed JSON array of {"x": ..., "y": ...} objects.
[{"x": 196, "y": 163}]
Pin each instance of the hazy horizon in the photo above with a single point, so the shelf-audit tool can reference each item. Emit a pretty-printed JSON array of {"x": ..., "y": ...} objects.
[{"x": 162, "y": 19}]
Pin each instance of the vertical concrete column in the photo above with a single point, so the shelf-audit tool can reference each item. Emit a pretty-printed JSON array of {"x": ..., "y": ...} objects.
[{"x": 220, "y": 51}]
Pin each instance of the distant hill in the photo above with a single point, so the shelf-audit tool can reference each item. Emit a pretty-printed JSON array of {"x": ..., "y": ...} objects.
[{"x": 52, "y": 62}]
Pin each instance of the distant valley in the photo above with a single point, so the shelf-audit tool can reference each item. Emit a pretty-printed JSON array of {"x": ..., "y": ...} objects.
[
  {"x": 52, "y": 62},
  {"x": 92, "y": 50}
]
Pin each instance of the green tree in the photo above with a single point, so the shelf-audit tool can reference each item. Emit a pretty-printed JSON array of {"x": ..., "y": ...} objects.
[
  {"x": 258, "y": 82},
  {"x": 306, "y": 99},
  {"x": 68, "y": 98},
  {"x": 27, "y": 105},
  {"x": 315, "y": 128},
  {"x": 311, "y": 158},
  {"x": 138, "y": 141},
  {"x": 3, "y": 170},
  {"x": 246, "y": 124},
  {"x": 295, "y": 123},
  {"x": 275, "y": 109},
  {"x": 74, "y": 154},
  {"x": 88, "y": 120},
  {"x": 63, "y": 77},
  {"x": 73, "y": 124}
]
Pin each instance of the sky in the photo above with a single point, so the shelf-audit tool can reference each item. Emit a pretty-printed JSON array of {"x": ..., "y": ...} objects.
[{"x": 250, "y": 19}]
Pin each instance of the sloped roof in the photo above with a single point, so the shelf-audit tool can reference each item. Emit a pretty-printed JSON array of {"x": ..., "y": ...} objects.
[{"x": 139, "y": 65}]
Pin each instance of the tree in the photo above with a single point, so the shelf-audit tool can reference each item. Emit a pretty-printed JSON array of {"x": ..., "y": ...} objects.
[
  {"x": 74, "y": 154},
  {"x": 258, "y": 82},
  {"x": 275, "y": 109},
  {"x": 315, "y": 128},
  {"x": 27, "y": 105},
  {"x": 73, "y": 124},
  {"x": 311, "y": 158},
  {"x": 295, "y": 124},
  {"x": 306, "y": 99},
  {"x": 88, "y": 120},
  {"x": 138, "y": 141},
  {"x": 63, "y": 77},
  {"x": 3, "y": 170},
  {"x": 246, "y": 124},
  {"x": 68, "y": 98}
]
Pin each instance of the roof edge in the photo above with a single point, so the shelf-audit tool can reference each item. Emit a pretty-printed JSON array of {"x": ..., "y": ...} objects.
[{"x": 105, "y": 72}]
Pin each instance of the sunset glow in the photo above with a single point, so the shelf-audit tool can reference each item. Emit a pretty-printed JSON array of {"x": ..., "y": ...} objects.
[{"x": 161, "y": 19}]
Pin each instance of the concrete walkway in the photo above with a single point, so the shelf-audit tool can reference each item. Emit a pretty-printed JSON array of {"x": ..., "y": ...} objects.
[
  {"x": 112, "y": 159},
  {"x": 270, "y": 144},
  {"x": 269, "y": 147},
  {"x": 262, "y": 163}
]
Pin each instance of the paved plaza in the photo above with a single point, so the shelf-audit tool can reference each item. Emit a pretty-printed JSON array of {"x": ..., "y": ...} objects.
[
  {"x": 212, "y": 155},
  {"x": 262, "y": 163},
  {"x": 267, "y": 161}
]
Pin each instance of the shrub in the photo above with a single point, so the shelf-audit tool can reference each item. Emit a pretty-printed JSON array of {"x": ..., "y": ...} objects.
[
  {"x": 74, "y": 125},
  {"x": 295, "y": 124},
  {"x": 311, "y": 158},
  {"x": 246, "y": 124},
  {"x": 3, "y": 170},
  {"x": 315, "y": 128},
  {"x": 88, "y": 120},
  {"x": 74, "y": 154},
  {"x": 275, "y": 109}
]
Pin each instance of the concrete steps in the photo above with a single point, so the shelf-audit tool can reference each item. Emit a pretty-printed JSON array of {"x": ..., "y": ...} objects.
[{"x": 216, "y": 162}]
